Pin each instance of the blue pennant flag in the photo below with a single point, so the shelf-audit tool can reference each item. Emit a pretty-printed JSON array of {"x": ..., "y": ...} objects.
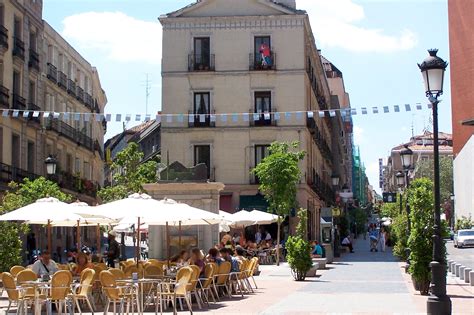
[
  {"x": 138, "y": 117},
  {"x": 169, "y": 118},
  {"x": 180, "y": 118},
  {"x": 353, "y": 111},
  {"x": 299, "y": 116},
  {"x": 277, "y": 116},
  {"x": 77, "y": 116},
  {"x": 418, "y": 106},
  {"x": 213, "y": 118},
  {"x": 147, "y": 117},
  {"x": 108, "y": 117},
  {"x": 224, "y": 117},
  {"x": 375, "y": 110},
  {"x": 386, "y": 109},
  {"x": 191, "y": 118},
  {"x": 235, "y": 118},
  {"x": 407, "y": 107},
  {"x": 288, "y": 116},
  {"x": 118, "y": 117},
  {"x": 65, "y": 116},
  {"x": 86, "y": 116},
  {"x": 430, "y": 106},
  {"x": 128, "y": 117},
  {"x": 364, "y": 110},
  {"x": 26, "y": 114},
  {"x": 396, "y": 108}
]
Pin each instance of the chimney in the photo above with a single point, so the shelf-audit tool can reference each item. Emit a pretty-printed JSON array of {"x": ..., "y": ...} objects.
[{"x": 288, "y": 3}]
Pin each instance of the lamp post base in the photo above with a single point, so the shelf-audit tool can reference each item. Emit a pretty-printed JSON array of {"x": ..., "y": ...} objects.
[{"x": 438, "y": 302}]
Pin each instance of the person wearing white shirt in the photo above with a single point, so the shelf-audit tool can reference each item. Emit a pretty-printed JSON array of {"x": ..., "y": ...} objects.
[
  {"x": 45, "y": 265},
  {"x": 268, "y": 237},
  {"x": 347, "y": 243},
  {"x": 258, "y": 237}
]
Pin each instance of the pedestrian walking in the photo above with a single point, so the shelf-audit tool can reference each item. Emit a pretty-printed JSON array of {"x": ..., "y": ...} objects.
[{"x": 382, "y": 239}]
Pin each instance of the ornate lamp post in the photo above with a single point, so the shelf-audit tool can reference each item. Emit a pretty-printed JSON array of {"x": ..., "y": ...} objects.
[
  {"x": 406, "y": 157},
  {"x": 433, "y": 69}
]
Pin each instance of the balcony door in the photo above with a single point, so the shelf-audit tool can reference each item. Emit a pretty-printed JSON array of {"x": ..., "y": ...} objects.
[
  {"x": 15, "y": 150},
  {"x": 202, "y": 155},
  {"x": 261, "y": 152},
  {"x": 202, "y": 53},
  {"x": 16, "y": 82},
  {"x": 263, "y": 104},
  {"x": 262, "y": 51},
  {"x": 202, "y": 109}
]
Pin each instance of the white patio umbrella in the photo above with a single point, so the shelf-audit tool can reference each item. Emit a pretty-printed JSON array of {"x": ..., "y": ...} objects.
[
  {"x": 45, "y": 211},
  {"x": 227, "y": 219},
  {"x": 263, "y": 218},
  {"x": 242, "y": 219}
]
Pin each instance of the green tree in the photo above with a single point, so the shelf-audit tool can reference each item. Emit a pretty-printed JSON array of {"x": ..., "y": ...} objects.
[
  {"x": 424, "y": 169},
  {"x": 279, "y": 176},
  {"x": 299, "y": 249},
  {"x": 129, "y": 174},
  {"x": 20, "y": 195}
]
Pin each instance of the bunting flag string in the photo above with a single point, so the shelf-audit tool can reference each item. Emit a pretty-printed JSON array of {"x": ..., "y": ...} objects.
[{"x": 345, "y": 113}]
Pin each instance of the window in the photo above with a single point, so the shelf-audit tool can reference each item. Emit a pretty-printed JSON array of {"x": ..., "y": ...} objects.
[
  {"x": 69, "y": 163},
  {"x": 31, "y": 157},
  {"x": 202, "y": 155},
  {"x": 86, "y": 170},
  {"x": 15, "y": 150},
  {"x": 263, "y": 104},
  {"x": 263, "y": 57},
  {"x": 2, "y": 15},
  {"x": 77, "y": 165},
  {"x": 201, "y": 109},
  {"x": 32, "y": 93},
  {"x": 33, "y": 41},
  {"x": 17, "y": 28},
  {"x": 261, "y": 152},
  {"x": 202, "y": 53},
  {"x": 16, "y": 82}
]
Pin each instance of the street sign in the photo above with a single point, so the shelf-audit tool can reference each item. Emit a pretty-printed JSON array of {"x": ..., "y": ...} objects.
[
  {"x": 336, "y": 212},
  {"x": 389, "y": 197}
]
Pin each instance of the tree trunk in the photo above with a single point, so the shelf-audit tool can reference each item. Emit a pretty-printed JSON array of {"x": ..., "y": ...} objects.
[{"x": 278, "y": 243}]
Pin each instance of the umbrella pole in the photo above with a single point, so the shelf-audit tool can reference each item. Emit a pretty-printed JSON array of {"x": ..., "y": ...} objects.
[
  {"x": 138, "y": 242},
  {"x": 97, "y": 232},
  {"x": 168, "y": 243},
  {"x": 49, "y": 235},
  {"x": 179, "y": 241},
  {"x": 78, "y": 236}
]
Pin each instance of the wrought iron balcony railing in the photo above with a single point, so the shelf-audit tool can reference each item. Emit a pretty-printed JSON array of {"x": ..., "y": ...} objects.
[
  {"x": 18, "y": 102},
  {"x": 4, "y": 97},
  {"x": 18, "y": 48},
  {"x": 62, "y": 80},
  {"x": 52, "y": 73},
  {"x": 3, "y": 38},
  {"x": 34, "y": 60},
  {"x": 201, "y": 62},
  {"x": 259, "y": 62}
]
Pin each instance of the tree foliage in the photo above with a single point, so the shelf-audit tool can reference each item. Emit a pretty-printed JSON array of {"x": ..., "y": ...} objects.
[
  {"x": 464, "y": 223},
  {"x": 299, "y": 249},
  {"x": 129, "y": 174},
  {"x": 425, "y": 169},
  {"x": 20, "y": 195},
  {"x": 420, "y": 241}
]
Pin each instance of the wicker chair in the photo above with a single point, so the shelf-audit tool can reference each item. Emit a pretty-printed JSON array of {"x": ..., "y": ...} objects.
[
  {"x": 15, "y": 294},
  {"x": 115, "y": 293},
  {"x": 15, "y": 270},
  {"x": 183, "y": 279},
  {"x": 83, "y": 291},
  {"x": 221, "y": 279},
  {"x": 206, "y": 282}
]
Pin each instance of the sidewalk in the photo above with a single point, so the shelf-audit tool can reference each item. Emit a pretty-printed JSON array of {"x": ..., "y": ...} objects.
[{"x": 358, "y": 283}]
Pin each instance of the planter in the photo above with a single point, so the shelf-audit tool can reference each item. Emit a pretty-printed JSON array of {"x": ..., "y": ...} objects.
[
  {"x": 416, "y": 285},
  {"x": 422, "y": 286}
]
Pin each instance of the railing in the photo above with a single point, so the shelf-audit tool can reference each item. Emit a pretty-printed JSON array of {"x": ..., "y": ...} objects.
[
  {"x": 76, "y": 184},
  {"x": 52, "y": 73},
  {"x": 71, "y": 133},
  {"x": 4, "y": 97},
  {"x": 318, "y": 138},
  {"x": 80, "y": 94},
  {"x": 321, "y": 188},
  {"x": 34, "y": 107},
  {"x": 10, "y": 173},
  {"x": 201, "y": 62},
  {"x": 200, "y": 121},
  {"x": 316, "y": 90},
  {"x": 263, "y": 119},
  {"x": 18, "y": 102},
  {"x": 18, "y": 48},
  {"x": 258, "y": 62},
  {"x": 71, "y": 87},
  {"x": 62, "y": 80},
  {"x": 3, "y": 37},
  {"x": 98, "y": 148},
  {"x": 88, "y": 101},
  {"x": 34, "y": 60}
]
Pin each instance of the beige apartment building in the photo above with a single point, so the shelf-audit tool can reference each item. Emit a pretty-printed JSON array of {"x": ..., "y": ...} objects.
[
  {"x": 256, "y": 57},
  {"x": 40, "y": 71}
]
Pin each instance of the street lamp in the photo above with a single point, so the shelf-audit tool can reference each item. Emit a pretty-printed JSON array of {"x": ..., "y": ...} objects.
[
  {"x": 406, "y": 157},
  {"x": 51, "y": 164},
  {"x": 335, "y": 180},
  {"x": 433, "y": 69},
  {"x": 400, "y": 179}
]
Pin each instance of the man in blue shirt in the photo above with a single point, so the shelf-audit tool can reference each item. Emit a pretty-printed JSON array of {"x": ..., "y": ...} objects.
[
  {"x": 317, "y": 250},
  {"x": 226, "y": 254}
]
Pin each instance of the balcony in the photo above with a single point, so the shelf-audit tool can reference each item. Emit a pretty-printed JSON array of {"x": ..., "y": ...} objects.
[
  {"x": 77, "y": 184},
  {"x": 52, "y": 73},
  {"x": 4, "y": 97},
  {"x": 201, "y": 62},
  {"x": 79, "y": 94},
  {"x": 34, "y": 107},
  {"x": 18, "y": 102},
  {"x": 318, "y": 138},
  {"x": 70, "y": 133},
  {"x": 71, "y": 87},
  {"x": 263, "y": 119},
  {"x": 18, "y": 48},
  {"x": 321, "y": 188},
  {"x": 201, "y": 121},
  {"x": 34, "y": 60},
  {"x": 258, "y": 63},
  {"x": 10, "y": 173},
  {"x": 89, "y": 102},
  {"x": 62, "y": 80},
  {"x": 3, "y": 38}
]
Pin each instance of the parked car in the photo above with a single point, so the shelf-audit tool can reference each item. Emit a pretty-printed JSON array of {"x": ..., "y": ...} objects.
[{"x": 464, "y": 238}]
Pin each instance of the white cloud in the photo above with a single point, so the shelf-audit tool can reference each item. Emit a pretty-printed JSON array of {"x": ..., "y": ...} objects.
[
  {"x": 358, "y": 135},
  {"x": 121, "y": 37},
  {"x": 334, "y": 24}
]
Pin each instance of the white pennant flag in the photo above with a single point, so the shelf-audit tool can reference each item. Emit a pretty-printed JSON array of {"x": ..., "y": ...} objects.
[
  {"x": 396, "y": 108},
  {"x": 375, "y": 110},
  {"x": 235, "y": 118},
  {"x": 46, "y": 114},
  {"x": 288, "y": 116},
  {"x": 245, "y": 116},
  {"x": 310, "y": 115},
  {"x": 15, "y": 113},
  {"x": 224, "y": 117},
  {"x": 118, "y": 117},
  {"x": 26, "y": 114},
  {"x": 386, "y": 109},
  {"x": 256, "y": 117},
  {"x": 202, "y": 118},
  {"x": 158, "y": 118},
  {"x": 332, "y": 113},
  {"x": 213, "y": 118},
  {"x": 138, "y": 117},
  {"x": 77, "y": 116},
  {"x": 86, "y": 116},
  {"x": 56, "y": 115},
  {"x": 191, "y": 118},
  {"x": 277, "y": 116},
  {"x": 169, "y": 118},
  {"x": 321, "y": 114},
  {"x": 36, "y": 114},
  {"x": 5, "y": 113},
  {"x": 299, "y": 116},
  {"x": 266, "y": 116}
]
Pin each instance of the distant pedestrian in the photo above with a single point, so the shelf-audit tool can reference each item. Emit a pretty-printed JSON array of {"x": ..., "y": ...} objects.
[
  {"x": 382, "y": 239},
  {"x": 347, "y": 243}
]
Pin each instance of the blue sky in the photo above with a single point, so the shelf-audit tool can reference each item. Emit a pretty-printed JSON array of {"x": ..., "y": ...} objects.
[{"x": 375, "y": 43}]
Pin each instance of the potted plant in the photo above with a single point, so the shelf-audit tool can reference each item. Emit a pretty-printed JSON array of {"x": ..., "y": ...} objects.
[
  {"x": 420, "y": 240},
  {"x": 299, "y": 250}
]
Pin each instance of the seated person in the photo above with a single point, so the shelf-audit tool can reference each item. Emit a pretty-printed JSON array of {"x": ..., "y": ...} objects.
[
  {"x": 213, "y": 256},
  {"x": 226, "y": 239},
  {"x": 240, "y": 254},
  {"x": 226, "y": 254},
  {"x": 44, "y": 265},
  {"x": 181, "y": 258},
  {"x": 347, "y": 243},
  {"x": 317, "y": 250},
  {"x": 197, "y": 260},
  {"x": 82, "y": 263}
]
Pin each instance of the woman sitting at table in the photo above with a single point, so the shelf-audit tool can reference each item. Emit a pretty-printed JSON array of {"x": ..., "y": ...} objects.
[
  {"x": 213, "y": 256},
  {"x": 82, "y": 263},
  {"x": 197, "y": 259},
  {"x": 181, "y": 258}
]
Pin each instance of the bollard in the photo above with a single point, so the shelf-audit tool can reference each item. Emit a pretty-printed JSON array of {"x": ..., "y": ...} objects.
[
  {"x": 450, "y": 266},
  {"x": 471, "y": 278},
  {"x": 461, "y": 272},
  {"x": 466, "y": 274},
  {"x": 456, "y": 268}
]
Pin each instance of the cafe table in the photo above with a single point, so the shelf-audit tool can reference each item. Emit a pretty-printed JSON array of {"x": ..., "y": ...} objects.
[{"x": 159, "y": 281}]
